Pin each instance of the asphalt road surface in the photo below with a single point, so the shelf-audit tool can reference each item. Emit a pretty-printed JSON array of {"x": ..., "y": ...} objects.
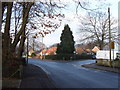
[{"x": 72, "y": 75}]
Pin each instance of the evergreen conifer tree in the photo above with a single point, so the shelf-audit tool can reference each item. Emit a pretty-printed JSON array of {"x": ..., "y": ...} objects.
[{"x": 66, "y": 45}]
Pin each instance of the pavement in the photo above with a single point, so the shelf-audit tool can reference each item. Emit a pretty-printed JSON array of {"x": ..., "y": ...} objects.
[
  {"x": 109, "y": 69},
  {"x": 35, "y": 77}
]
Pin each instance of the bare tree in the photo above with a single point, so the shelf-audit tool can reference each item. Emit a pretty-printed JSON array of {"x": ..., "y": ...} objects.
[
  {"x": 26, "y": 13},
  {"x": 94, "y": 28},
  {"x": 6, "y": 36},
  {"x": 86, "y": 5}
]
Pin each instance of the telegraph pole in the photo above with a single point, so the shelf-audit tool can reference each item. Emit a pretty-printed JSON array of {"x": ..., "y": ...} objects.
[
  {"x": 109, "y": 33},
  {"x": 119, "y": 23}
]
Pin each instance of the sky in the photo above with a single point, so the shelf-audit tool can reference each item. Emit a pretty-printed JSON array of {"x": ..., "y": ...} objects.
[{"x": 72, "y": 20}]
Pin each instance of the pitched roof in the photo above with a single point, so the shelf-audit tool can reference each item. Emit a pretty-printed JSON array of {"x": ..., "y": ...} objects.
[{"x": 95, "y": 49}]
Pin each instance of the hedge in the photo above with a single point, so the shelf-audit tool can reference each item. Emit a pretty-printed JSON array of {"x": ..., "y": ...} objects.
[
  {"x": 114, "y": 63},
  {"x": 11, "y": 67},
  {"x": 68, "y": 57},
  {"x": 33, "y": 54}
]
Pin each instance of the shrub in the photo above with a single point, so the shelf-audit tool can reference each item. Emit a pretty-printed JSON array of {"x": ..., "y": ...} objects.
[
  {"x": 115, "y": 63},
  {"x": 68, "y": 57},
  {"x": 33, "y": 54},
  {"x": 10, "y": 67}
]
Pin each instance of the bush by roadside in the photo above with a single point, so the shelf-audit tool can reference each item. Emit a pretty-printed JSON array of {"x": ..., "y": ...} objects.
[
  {"x": 10, "y": 69},
  {"x": 68, "y": 57},
  {"x": 114, "y": 63},
  {"x": 12, "y": 72},
  {"x": 33, "y": 54},
  {"x": 99, "y": 67}
]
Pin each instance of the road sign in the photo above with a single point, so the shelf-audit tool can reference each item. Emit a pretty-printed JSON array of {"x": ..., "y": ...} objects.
[{"x": 112, "y": 44}]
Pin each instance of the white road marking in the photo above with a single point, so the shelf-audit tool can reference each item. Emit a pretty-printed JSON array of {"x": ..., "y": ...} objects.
[
  {"x": 83, "y": 68},
  {"x": 96, "y": 71},
  {"x": 79, "y": 67}
]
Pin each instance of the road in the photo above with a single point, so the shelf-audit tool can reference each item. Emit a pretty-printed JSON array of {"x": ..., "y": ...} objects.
[{"x": 72, "y": 75}]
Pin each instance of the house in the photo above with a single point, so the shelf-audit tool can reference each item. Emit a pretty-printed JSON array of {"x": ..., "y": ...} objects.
[
  {"x": 79, "y": 50},
  {"x": 95, "y": 49},
  {"x": 83, "y": 49},
  {"x": 43, "y": 52},
  {"x": 51, "y": 51}
]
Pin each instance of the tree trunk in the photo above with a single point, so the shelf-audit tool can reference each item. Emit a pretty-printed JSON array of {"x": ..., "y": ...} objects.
[
  {"x": 24, "y": 22},
  {"x": 0, "y": 16},
  {"x": 21, "y": 46},
  {"x": 4, "y": 4},
  {"x": 6, "y": 36}
]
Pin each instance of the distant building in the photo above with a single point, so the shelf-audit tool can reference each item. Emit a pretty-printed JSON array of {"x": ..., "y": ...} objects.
[
  {"x": 43, "y": 52},
  {"x": 51, "y": 51},
  {"x": 79, "y": 50},
  {"x": 95, "y": 49}
]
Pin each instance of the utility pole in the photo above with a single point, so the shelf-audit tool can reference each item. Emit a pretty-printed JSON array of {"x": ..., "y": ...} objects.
[
  {"x": 109, "y": 33},
  {"x": 119, "y": 23}
]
